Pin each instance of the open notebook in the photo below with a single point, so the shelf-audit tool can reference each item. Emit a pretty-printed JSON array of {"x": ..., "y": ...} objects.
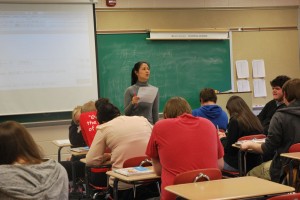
[
  {"x": 134, "y": 171},
  {"x": 260, "y": 141}
]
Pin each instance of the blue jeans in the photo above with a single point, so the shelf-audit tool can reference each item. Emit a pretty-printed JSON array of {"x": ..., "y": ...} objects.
[{"x": 229, "y": 168}]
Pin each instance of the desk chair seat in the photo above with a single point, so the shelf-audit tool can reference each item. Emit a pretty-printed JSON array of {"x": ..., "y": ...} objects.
[
  {"x": 294, "y": 196},
  {"x": 198, "y": 175},
  {"x": 243, "y": 156}
]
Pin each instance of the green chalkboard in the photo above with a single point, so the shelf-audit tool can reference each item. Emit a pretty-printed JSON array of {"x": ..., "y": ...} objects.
[{"x": 178, "y": 67}]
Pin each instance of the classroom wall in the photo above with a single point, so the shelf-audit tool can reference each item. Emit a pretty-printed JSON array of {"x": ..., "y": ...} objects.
[
  {"x": 44, "y": 135},
  {"x": 197, "y": 3},
  {"x": 279, "y": 48}
]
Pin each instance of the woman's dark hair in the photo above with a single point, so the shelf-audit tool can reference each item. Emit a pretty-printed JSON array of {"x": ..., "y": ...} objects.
[
  {"x": 16, "y": 143},
  {"x": 106, "y": 111},
  {"x": 136, "y": 68},
  {"x": 237, "y": 108}
]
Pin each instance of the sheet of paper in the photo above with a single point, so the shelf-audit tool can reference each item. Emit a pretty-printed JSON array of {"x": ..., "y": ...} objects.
[
  {"x": 259, "y": 88},
  {"x": 61, "y": 142},
  {"x": 258, "y": 68},
  {"x": 147, "y": 94},
  {"x": 243, "y": 85},
  {"x": 242, "y": 68}
]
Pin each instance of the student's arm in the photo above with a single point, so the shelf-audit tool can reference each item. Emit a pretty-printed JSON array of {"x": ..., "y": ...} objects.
[
  {"x": 231, "y": 137},
  {"x": 155, "y": 109},
  {"x": 251, "y": 145},
  {"x": 128, "y": 106},
  {"x": 220, "y": 154},
  {"x": 96, "y": 154},
  {"x": 221, "y": 163},
  {"x": 75, "y": 136},
  {"x": 156, "y": 166}
]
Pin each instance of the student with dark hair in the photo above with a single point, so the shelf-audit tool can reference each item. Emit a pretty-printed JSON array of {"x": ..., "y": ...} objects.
[
  {"x": 210, "y": 110},
  {"x": 126, "y": 136},
  {"x": 23, "y": 171},
  {"x": 283, "y": 132},
  {"x": 182, "y": 142},
  {"x": 270, "y": 108},
  {"x": 242, "y": 122},
  {"x": 139, "y": 78}
]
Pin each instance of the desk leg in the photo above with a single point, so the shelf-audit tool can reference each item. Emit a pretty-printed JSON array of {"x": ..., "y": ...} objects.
[
  {"x": 115, "y": 189},
  {"x": 58, "y": 154},
  {"x": 240, "y": 162},
  {"x": 74, "y": 176},
  {"x": 291, "y": 166}
]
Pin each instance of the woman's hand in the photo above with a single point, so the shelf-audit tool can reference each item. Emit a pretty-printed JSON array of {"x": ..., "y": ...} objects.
[{"x": 135, "y": 100}]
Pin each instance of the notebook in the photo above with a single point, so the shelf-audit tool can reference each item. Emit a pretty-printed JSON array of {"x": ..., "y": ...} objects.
[{"x": 134, "y": 171}]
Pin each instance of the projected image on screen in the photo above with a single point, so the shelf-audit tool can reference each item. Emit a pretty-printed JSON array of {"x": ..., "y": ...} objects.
[{"x": 47, "y": 56}]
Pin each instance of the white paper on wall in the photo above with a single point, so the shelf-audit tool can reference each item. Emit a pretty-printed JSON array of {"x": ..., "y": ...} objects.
[
  {"x": 258, "y": 68},
  {"x": 242, "y": 68},
  {"x": 243, "y": 85},
  {"x": 259, "y": 88}
]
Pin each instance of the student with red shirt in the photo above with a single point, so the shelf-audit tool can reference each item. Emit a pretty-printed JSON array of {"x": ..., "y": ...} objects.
[{"x": 182, "y": 142}]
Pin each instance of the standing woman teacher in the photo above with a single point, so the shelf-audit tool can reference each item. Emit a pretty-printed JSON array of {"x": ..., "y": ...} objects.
[{"x": 133, "y": 103}]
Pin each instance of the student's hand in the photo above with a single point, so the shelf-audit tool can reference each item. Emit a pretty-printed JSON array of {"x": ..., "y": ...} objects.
[
  {"x": 221, "y": 134},
  {"x": 246, "y": 145},
  {"x": 135, "y": 100}
]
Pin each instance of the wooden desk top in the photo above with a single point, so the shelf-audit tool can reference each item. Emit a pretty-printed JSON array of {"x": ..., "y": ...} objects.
[
  {"x": 74, "y": 153},
  {"x": 294, "y": 155},
  {"x": 130, "y": 179},
  {"x": 231, "y": 188},
  {"x": 62, "y": 143}
]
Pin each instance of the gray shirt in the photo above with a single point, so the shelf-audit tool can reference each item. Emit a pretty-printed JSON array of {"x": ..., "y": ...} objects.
[
  {"x": 148, "y": 110},
  {"x": 48, "y": 180}
]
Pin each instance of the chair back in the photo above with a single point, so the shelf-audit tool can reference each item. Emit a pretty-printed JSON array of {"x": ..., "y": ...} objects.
[
  {"x": 198, "y": 175},
  {"x": 251, "y": 137},
  {"x": 294, "y": 196},
  {"x": 294, "y": 148},
  {"x": 137, "y": 161},
  {"x": 88, "y": 124}
]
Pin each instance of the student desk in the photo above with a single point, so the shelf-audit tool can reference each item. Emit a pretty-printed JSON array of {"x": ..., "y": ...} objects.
[
  {"x": 130, "y": 180},
  {"x": 294, "y": 155},
  {"x": 231, "y": 188},
  {"x": 241, "y": 156},
  {"x": 61, "y": 144}
]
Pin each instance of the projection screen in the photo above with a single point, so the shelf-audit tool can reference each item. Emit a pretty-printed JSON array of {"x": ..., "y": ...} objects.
[{"x": 47, "y": 57}]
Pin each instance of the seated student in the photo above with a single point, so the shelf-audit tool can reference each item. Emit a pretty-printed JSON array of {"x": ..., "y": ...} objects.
[
  {"x": 126, "y": 136},
  {"x": 242, "y": 122},
  {"x": 270, "y": 108},
  {"x": 23, "y": 171},
  {"x": 75, "y": 135},
  {"x": 182, "y": 142},
  {"x": 76, "y": 140},
  {"x": 88, "y": 121},
  {"x": 210, "y": 110},
  {"x": 283, "y": 132}
]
